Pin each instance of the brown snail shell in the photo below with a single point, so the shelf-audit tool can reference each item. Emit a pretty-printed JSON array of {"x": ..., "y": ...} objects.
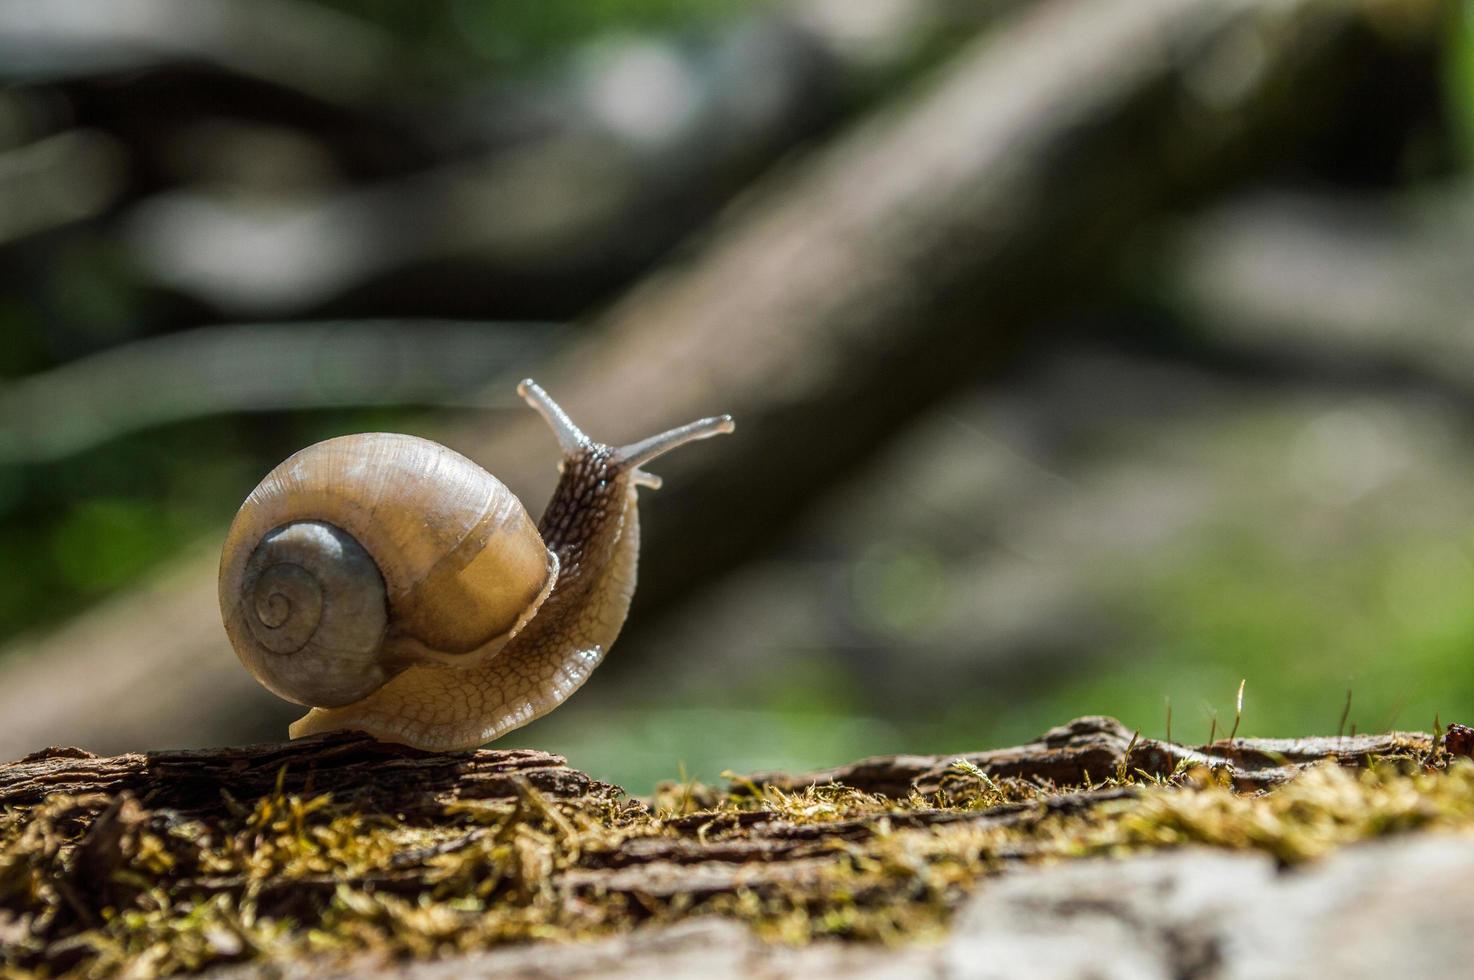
[{"x": 362, "y": 555}]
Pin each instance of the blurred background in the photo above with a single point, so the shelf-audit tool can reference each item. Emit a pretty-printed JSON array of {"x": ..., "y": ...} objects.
[{"x": 1087, "y": 358}]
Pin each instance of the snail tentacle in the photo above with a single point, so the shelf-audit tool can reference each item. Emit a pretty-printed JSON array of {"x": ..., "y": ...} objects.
[
  {"x": 571, "y": 439},
  {"x": 637, "y": 454}
]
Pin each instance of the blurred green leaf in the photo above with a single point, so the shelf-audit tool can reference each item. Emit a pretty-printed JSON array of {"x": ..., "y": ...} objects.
[{"x": 1459, "y": 68}]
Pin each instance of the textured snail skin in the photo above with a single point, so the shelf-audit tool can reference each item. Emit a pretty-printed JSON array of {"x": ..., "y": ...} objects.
[{"x": 592, "y": 525}]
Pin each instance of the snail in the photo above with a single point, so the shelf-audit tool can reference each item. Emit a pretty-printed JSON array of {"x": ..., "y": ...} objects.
[{"x": 394, "y": 587}]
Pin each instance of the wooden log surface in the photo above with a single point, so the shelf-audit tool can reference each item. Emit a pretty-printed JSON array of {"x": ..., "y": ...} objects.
[
  {"x": 360, "y": 771},
  {"x": 355, "y": 769},
  {"x": 518, "y": 839},
  {"x": 1095, "y": 748}
]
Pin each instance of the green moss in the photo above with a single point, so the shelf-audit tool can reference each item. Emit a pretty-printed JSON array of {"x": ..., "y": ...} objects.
[{"x": 286, "y": 877}]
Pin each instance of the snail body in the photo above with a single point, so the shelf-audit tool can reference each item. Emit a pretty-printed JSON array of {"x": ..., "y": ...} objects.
[{"x": 395, "y": 587}]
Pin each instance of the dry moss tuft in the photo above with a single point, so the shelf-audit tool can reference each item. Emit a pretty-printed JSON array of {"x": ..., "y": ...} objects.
[{"x": 92, "y": 885}]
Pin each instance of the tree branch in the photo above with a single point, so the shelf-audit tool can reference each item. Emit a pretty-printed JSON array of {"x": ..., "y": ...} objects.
[{"x": 1095, "y": 749}]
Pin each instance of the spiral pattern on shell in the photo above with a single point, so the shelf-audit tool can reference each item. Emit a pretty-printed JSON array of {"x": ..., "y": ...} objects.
[
  {"x": 315, "y": 599},
  {"x": 287, "y": 600}
]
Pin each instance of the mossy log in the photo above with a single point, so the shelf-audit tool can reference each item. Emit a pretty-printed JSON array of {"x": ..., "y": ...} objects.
[
  {"x": 393, "y": 778},
  {"x": 339, "y": 851},
  {"x": 1094, "y": 749},
  {"x": 356, "y": 770}
]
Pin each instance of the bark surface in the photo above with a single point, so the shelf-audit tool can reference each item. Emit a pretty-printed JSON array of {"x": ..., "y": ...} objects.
[{"x": 277, "y": 855}]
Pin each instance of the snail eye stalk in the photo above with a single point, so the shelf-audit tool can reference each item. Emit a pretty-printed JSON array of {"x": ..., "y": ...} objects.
[
  {"x": 571, "y": 439},
  {"x": 637, "y": 454}
]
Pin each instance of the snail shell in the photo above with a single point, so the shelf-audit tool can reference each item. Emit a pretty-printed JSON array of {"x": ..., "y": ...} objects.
[
  {"x": 396, "y": 587},
  {"x": 362, "y": 555}
]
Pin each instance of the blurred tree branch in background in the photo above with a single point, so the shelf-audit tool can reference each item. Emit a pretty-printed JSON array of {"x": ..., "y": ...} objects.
[
  {"x": 324, "y": 54},
  {"x": 848, "y": 291},
  {"x": 578, "y": 180},
  {"x": 265, "y": 367}
]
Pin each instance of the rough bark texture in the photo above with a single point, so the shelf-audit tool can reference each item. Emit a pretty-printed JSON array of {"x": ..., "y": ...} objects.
[
  {"x": 358, "y": 770},
  {"x": 818, "y": 847},
  {"x": 353, "y": 768},
  {"x": 1095, "y": 749},
  {"x": 845, "y": 295}
]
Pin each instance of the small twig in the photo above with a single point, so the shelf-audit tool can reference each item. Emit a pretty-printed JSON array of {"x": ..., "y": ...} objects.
[{"x": 1238, "y": 710}]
